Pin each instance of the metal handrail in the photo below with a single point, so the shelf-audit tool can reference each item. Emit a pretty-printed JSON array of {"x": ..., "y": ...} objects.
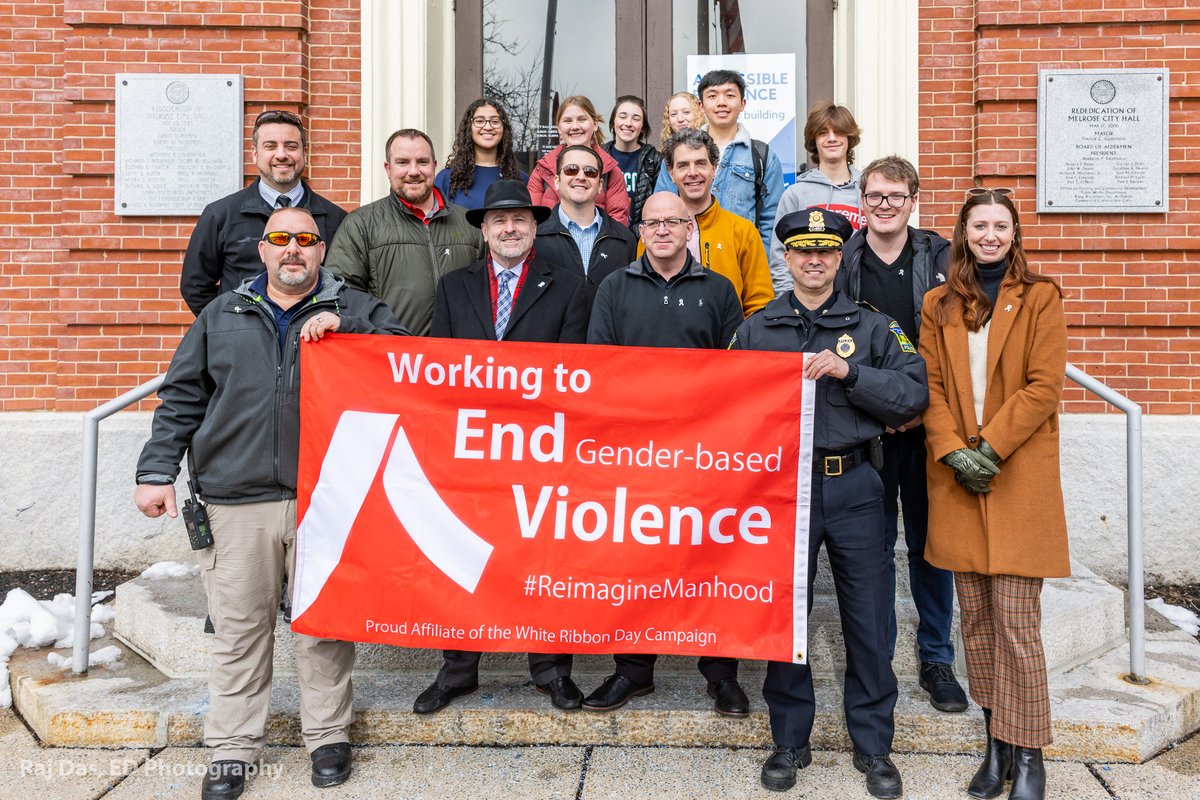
[
  {"x": 87, "y": 516},
  {"x": 1133, "y": 493},
  {"x": 1133, "y": 460}
]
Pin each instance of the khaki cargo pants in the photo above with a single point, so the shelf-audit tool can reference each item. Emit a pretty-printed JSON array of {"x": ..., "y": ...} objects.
[{"x": 242, "y": 573}]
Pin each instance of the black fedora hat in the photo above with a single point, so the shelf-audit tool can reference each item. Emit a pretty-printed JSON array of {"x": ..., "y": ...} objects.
[{"x": 504, "y": 195}]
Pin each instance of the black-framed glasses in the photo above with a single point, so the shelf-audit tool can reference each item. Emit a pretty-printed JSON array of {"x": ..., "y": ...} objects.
[
  {"x": 875, "y": 199},
  {"x": 282, "y": 238},
  {"x": 487, "y": 122},
  {"x": 672, "y": 223},
  {"x": 999, "y": 191},
  {"x": 571, "y": 170}
]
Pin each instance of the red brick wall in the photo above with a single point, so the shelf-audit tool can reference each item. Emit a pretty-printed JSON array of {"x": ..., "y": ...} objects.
[
  {"x": 90, "y": 303},
  {"x": 1132, "y": 281}
]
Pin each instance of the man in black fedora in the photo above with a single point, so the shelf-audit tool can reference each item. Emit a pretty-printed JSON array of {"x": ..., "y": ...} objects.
[{"x": 511, "y": 295}]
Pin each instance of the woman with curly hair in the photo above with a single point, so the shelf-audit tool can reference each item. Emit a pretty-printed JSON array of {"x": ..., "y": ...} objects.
[
  {"x": 639, "y": 160},
  {"x": 681, "y": 111},
  {"x": 482, "y": 154},
  {"x": 994, "y": 340},
  {"x": 578, "y": 123}
]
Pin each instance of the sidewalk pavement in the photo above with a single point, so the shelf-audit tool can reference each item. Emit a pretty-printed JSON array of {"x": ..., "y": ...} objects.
[{"x": 415, "y": 772}]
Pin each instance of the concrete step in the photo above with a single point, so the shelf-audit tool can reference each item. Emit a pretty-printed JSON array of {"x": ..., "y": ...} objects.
[
  {"x": 1098, "y": 717},
  {"x": 163, "y": 621}
]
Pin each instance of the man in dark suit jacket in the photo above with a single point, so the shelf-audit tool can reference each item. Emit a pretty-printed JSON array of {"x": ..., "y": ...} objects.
[{"x": 510, "y": 295}]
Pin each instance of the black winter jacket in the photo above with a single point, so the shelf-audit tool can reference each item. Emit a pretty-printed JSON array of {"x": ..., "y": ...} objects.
[
  {"x": 930, "y": 254},
  {"x": 613, "y": 249},
  {"x": 890, "y": 387},
  {"x": 223, "y": 250},
  {"x": 233, "y": 398},
  {"x": 649, "y": 162}
]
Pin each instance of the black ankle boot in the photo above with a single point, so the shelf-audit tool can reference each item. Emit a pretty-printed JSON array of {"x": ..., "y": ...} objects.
[
  {"x": 996, "y": 767},
  {"x": 1029, "y": 774}
]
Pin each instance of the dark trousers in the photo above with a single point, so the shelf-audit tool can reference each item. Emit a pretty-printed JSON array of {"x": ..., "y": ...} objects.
[
  {"x": 461, "y": 667},
  {"x": 903, "y": 476},
  {"x": 846, "y": 515},
  {"x": 640, "y": 668}
]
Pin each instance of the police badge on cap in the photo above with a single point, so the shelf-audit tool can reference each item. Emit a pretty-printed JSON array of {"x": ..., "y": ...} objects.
[{"x": 813, "y": 229}]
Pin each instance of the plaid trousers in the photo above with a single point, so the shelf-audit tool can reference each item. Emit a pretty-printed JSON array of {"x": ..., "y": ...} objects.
[{"x": 1006, "y": 665}]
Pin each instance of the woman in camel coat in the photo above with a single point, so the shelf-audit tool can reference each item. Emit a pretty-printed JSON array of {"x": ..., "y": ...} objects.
[{"x": 994, "y": 341}]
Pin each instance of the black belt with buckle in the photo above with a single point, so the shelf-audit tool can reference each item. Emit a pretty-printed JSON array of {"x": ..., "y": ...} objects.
[{"x": 832, "y": 463}]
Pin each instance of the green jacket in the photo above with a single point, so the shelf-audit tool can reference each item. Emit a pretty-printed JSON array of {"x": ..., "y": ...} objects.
[{"x": 384, "y": 250}]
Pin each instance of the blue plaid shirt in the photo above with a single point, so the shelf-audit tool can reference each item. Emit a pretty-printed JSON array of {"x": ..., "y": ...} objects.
[{"x": 584, "y": 238}]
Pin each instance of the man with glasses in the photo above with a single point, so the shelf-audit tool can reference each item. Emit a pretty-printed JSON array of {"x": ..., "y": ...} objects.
[
  {"x": 666, "y": 299},
  {"x": 728, "y": 244},
  {"x": 578, "y": 236},
  {"x": 239, "y": 425},
  {"x": 223, "y": 249},
  {"x": 891, "y": 265},
  {"x": 398, "y": 247}
]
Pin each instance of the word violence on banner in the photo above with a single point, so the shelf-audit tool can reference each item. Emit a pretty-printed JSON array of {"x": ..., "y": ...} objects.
[{"x": 557, "y": 498}]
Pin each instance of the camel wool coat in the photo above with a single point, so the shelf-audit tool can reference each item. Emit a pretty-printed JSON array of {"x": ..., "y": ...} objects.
[{"x": 1019, "y": 528}]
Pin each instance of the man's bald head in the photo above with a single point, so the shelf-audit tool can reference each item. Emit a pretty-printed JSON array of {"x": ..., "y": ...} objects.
[{"x": 665, "y": 229}]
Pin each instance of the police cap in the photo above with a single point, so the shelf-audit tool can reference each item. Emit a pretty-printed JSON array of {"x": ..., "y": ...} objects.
[{"x": 813, "y": 229}]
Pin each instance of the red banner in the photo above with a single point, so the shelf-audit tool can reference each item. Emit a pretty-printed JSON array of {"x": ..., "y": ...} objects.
[{"x": 553, "y": 498}]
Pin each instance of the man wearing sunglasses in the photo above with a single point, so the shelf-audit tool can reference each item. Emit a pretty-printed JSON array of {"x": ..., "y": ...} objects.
[
  {"x": 578, "y": 236},
  {"x": 666, "y": 299},
  {"x": 891, "y": 265},
  {"x": 238, "y": 421},
  {"x": 223, "y": 249}
]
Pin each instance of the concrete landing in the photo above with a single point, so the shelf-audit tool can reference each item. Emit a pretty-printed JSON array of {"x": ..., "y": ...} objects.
[{"x": 1097, "y": 715}]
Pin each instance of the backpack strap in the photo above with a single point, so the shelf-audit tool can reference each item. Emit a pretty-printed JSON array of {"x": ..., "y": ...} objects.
[{"x": 758, "y": 152}]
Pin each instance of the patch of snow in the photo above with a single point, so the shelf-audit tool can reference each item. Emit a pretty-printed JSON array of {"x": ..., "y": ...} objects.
[
  {"x": 25, "y": 622},
  {"x": 104, "y": 657},
  {"x": 1182, "y": 618},
  {"x": 170, "y": 569}
]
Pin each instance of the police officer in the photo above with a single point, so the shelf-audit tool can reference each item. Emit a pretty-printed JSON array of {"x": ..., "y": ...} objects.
[{"x": 868, "y": 377}]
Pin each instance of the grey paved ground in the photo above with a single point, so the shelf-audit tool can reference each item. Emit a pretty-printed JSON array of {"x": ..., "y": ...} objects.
[{"x": 415, "y": 772}]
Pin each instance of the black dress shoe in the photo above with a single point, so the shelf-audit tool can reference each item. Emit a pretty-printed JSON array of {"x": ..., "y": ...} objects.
[
  {"x": 563, "y": 693},
  {"x": 1029, "y": 774},
  {"x": 883, "y": 779},
  {"x": 945, "y": 692},
  {"x": 224, "y": 780},
  {"x": 331, "y": 764},
  {"x": 996, "y": 767},
  {"x": 437, "y": 697},
  {"x": 779, "y": 771},
  {"x": 614, "y": 693},
  {"x": 731, "y": 701}
]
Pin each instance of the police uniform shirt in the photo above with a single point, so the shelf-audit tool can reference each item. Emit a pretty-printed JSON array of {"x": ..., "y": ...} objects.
[{"x": 810, "y": 314}]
